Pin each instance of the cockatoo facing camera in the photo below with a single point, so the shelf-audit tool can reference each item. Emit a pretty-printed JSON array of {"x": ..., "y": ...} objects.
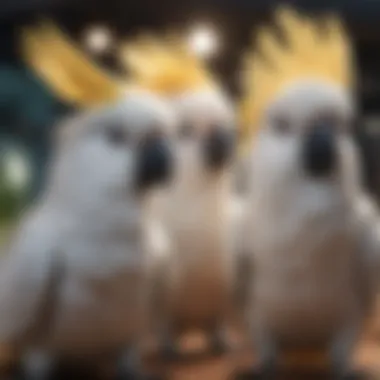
[
  {"x": 197, "y": 275},
  {"x": 312, "y": 283},
  {"x": 90, "y": 229},
  {"x": 200, "y": 271},
  {"x": 75, "y": 282}
]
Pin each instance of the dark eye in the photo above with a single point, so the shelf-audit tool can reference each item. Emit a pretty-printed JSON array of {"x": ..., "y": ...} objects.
[
  {"x": 116, "y": 134},
  {"x": 281, "y": 125},
  {"x": 352, "y": 123},
  {"x": 186, "y": 131},
  {"x": 330, "y": 121},
  {"x": 153, "y": 135}
]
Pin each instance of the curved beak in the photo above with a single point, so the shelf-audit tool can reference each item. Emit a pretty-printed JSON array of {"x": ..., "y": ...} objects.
[
  {"x": 219, "y": 148},
  {"x": 319, "y": 151},
  {"x": 154, "y": 164}
]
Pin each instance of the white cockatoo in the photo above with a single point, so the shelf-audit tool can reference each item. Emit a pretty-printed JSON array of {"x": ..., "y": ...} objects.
[
  {"x": 196, "y": 277},
  {"x": 310, "y": 234},
  {"x": 74, "y": 285}
]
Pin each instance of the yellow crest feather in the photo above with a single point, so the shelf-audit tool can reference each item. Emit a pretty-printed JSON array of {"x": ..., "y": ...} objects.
[
  {"x": 66, "y": 69},
  {"x": 308, "y": 52},
  {"x": 164, "y": 65}
]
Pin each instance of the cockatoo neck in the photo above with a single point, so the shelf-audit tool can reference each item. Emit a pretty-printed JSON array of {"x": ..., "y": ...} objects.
[
  {"x": 91, "y": 205},
  {"x": 201, "y": 184},
  {"x": 314, "y": 197}
]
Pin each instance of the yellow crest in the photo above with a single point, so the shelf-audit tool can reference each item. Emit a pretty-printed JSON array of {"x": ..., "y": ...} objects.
[
  {"x": 308, "y": 51},
  {"x": 66, "y": 69},
  {"x": 164, "y": 65}
]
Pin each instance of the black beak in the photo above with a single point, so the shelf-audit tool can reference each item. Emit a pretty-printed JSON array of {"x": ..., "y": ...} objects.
[
  {"x": 154, "y": 163},
  {"x": 219, "y": 148},
  {"x": 319, "y": 151}
]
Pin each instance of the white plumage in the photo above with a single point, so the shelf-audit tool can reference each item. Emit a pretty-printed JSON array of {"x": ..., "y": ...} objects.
[{"x": 75, "y": 282}]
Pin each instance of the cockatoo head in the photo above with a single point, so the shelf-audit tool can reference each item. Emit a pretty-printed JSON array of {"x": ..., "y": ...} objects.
[
  {"x": 307, "y": 131},
  {"x": 205, "y": 137},
  {"x": 206, "y": 125},
  {"x": 302, "y": 107},
  {"x": 119, "y": 144},
  {"x": 116, "y": 151}
]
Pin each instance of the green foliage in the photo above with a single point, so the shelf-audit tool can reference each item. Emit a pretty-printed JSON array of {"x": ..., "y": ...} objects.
[
  {"x": 11, "y": 204},
  {"x": 12, "y": 200}
]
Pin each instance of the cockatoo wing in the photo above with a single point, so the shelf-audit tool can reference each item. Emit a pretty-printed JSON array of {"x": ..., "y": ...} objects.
[
  {"x": 368, "y": 255},
  {"x": 28, "y": 282}
]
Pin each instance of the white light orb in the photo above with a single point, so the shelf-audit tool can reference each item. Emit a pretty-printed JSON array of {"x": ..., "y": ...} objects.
[
  {"x": 203, "y": 41},
  {"x": 98, "y": 39},
  {"x": 17, "y": 170}
]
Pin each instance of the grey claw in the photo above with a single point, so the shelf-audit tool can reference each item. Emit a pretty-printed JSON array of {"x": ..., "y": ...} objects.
[
  {"x": 256, "y": 374},
  {"x": 136, "y": 376},
  {"x": 219, "y": 346},
  {"x": 20, "y": 374},
  {"x": 170, "y": 352},
  {"x": 129, "y": 375},
  {"x": 354, "y": 375}
]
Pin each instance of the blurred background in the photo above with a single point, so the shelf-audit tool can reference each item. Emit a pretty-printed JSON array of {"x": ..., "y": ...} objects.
[{"x": 218, "y": 29}]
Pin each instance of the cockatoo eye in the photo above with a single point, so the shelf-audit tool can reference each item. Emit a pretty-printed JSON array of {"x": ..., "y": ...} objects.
[
  {"x": 330, "y": 120},
  {"x": 282, "y": 125},
  {"x": 186, "y": 131},
  {"x": 116, "y": 135},
  {"x": 151, "y": 135},
  {"x": 352, "y": 123}
]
